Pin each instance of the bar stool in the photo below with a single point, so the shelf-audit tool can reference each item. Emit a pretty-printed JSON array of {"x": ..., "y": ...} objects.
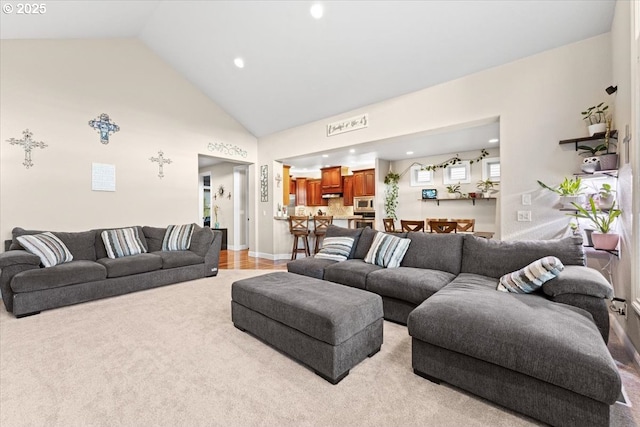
[
  {"x": 320, "y": 225},
  {"x": 299, "y": 228},
  {"x": 408, "y": 225}
]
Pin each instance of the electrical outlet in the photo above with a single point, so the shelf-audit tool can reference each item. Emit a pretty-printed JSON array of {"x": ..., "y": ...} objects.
[
  {"x": 524, "y": 216},
  {"x": 526, "y": 199}
]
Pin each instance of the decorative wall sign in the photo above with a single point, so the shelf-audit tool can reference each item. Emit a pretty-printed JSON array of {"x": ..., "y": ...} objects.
[
  {"x": 105, "y": 126},
  {"x": 278, "y": 179},
  {"x": 228, "y": 149},
  {"x": 264, "y": 183},
  {"x": 354, "y": 123},
  {"x": 27, "y": 144},
  {"x": 161, "y": 162},
  {"x": 103, "y": 177}
]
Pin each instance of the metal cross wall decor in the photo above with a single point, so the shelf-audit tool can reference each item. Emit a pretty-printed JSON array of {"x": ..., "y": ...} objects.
[
  {"x": 105, "y": 126},
  {"x": 27, "y": 144},
  {"x": 161, "y": 162}
]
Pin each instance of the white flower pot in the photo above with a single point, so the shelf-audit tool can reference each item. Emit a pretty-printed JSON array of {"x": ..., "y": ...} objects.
[
  {"x": 454, "y": 195},
  {"x": 568, "y": 200},
  {"x": 590, "y": 164},
  {"x": 597, "y": 128},
  {"x": 606, "y": 202}
]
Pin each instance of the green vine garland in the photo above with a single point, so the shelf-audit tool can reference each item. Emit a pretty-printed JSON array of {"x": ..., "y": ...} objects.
[
  {"x": 454, "y": 161},
  {"x": 391, "y": 194}
]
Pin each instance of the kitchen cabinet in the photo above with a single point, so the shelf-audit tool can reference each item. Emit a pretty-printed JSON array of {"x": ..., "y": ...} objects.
[
  {"x": 347, "y": 190},
  {"x": 331, "y": 180},
  {"x": 314, "y": 193},
  {"x": 286, "y": 184},
  {"x": 364, "y": 183},
  {"x": 301, "y": 192}
]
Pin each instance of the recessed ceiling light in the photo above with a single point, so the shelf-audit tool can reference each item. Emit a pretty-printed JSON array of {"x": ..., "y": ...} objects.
[
  {"x": 325, "y": 155},
  {"x": 409, "y": 153},
  {"x": 317, "y": 11},
  {"x": 239, "y": 62},
  {"x": 493, "y": 141},
  {"x": 353, "y": 150},
  {"x": 326, "y": 166}
]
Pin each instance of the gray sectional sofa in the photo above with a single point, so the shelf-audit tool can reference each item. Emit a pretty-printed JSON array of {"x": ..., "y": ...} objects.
[
  {"x": 27, "y": 287},
  {"x": 542, "y": 354}
]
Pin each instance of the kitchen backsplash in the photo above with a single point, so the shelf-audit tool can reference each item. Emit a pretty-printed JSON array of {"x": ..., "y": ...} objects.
[{"x": 335, "y": 208}]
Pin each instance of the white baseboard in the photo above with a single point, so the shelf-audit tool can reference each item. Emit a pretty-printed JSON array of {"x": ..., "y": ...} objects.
[
  {"x": 628, "y": 345},
  {"x": 237, "y": 248},
  {"x": 272, "y": 257}
]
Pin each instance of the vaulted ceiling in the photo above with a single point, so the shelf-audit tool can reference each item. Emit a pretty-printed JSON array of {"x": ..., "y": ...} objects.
[{"x": 299, "y": 69}]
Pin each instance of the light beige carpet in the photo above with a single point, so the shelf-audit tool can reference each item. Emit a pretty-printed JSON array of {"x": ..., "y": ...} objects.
[{"x": 171, "y": 357}]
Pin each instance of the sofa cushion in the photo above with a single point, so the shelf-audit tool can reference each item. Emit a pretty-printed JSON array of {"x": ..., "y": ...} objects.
[
  {"x": 173, "y": 259},
  {"x": 129, "y": 265},
  {"x": 154, "y": 237},
  {"x": 177, "y": 237},
  {"x": 530, "y": 278},
  {"x": 407, "y": 283},
  {"x": 434, "y": 251},
  {"x": 81, "y": 244},
  {"x": 335, "y": 231},
  {"x": 69, "y": 273},
  {"x": 335, "y": 248},
  {"x": 201, "y": 240},
  {"x": 101, "y": 250},
  {"x": 495, "y": 258},
  {"x": 352, "y": 272},
  {"x": 581, "y": 280},
  {"x": 47, "y": 247},
  {"x": 310, "y": 266},
  {"x": 361, "y": 247},
  {"x": 387, "y": 250},
  {"x": 526, "y": 333}
]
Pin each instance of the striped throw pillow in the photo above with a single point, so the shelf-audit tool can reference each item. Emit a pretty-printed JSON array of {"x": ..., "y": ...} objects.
[
  {"x": 335, "y": 248},
  {"x": 531, "y": 278},
  {"x": 47, "y": 247},
  {"x": 177, "y": 237},
  {"x": 387, "y": 250},
  {"x": 122, "y": 242}
]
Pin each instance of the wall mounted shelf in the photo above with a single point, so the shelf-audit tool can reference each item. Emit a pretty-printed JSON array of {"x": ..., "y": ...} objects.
[
  {"x": 457, "y": 200},
  {"x": 598, "y": 174},
  {"x": 614, "y": 252},
  {"x": 600, "y": 136}
]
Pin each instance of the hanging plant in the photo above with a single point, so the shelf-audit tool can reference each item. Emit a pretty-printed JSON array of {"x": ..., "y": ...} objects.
[
  {"x": 391, "y": 194},
  {"x": 454, "y": 161}
]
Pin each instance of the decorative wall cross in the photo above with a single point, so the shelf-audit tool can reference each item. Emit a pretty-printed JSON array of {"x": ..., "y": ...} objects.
[
  {"x": 161, "y": 162},
  {"x": 27, "y": 144},
  {"x": 105, "y": 126}
]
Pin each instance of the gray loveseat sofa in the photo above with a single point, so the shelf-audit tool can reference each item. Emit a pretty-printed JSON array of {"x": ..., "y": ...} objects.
[
  {"x": 542, "y": 354},
  {"x": 27, "y": 287}
]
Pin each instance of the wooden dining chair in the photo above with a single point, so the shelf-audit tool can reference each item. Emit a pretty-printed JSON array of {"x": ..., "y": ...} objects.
[
  {"x": 389, "y": 225},
  {"x": 443, "y": 226},
  {"x": 408, "y": 225},
  {"x": 428, "y": 220},
  {"x": 299, "y": 228},
  {"x": 465, "y": 224},
  {"x": 320, "y": 225}
]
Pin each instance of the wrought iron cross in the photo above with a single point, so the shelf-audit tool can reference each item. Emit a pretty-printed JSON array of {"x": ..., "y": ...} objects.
[
  {"x": 105, "y": 126},
  {"x": 27, "y": 144},
  {"x": 161, "y": 162}
]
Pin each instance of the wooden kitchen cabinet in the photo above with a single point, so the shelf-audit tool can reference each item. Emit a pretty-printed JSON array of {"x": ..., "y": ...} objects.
[
  {"x": 286, "y": 184},
  {"x": 314, "y": 193},
  {"x": 347, "y": 190},
  {"x": 364, "y": 183},
  {"x": 301, "y": 192},
  {"x": 331, "y": 180}
]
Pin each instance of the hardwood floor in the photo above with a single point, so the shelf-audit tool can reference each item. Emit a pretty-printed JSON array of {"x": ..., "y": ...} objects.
[{"x": 240, "y": 260}]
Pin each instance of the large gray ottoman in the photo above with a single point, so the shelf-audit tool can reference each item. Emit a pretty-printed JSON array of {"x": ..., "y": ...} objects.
[{"x": 326, "y": 326}]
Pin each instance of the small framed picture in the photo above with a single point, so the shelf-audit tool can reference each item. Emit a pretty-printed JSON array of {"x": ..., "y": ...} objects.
[{"x": 429, "y": 193}]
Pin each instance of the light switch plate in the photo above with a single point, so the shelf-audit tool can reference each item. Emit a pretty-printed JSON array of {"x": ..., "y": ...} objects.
[
  {"x": 526, "y": 199},
  {"x": 524, "y": 216}
]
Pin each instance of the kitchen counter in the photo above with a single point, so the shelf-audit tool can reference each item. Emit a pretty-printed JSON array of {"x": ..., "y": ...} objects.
[{"x": 337, "y": 217}]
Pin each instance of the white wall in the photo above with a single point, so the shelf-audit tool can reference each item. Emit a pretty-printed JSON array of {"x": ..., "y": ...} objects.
[
  {"x": 55, "y": 87},
  {"x": 538, "y": 100}
]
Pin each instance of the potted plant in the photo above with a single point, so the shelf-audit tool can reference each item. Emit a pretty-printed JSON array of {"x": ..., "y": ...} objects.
[
  {"x": 486, "y": 187},
  {"x": 606, "y": 199},
  {"x": 602, "y": 237},
  {"x": 391, "y": 194},
  {"x": 569, "y": 190},
  {"x": 454, "y": 191},
  {"x": 595, "y": 117}
]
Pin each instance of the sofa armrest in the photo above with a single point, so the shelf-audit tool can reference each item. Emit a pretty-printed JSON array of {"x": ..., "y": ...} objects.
[
  {"x": 212, "y": 257},
  {"x": 10, "y": 258},
  {"x": 577, "y": 279},
  {"x": 12, "y": 263}
]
